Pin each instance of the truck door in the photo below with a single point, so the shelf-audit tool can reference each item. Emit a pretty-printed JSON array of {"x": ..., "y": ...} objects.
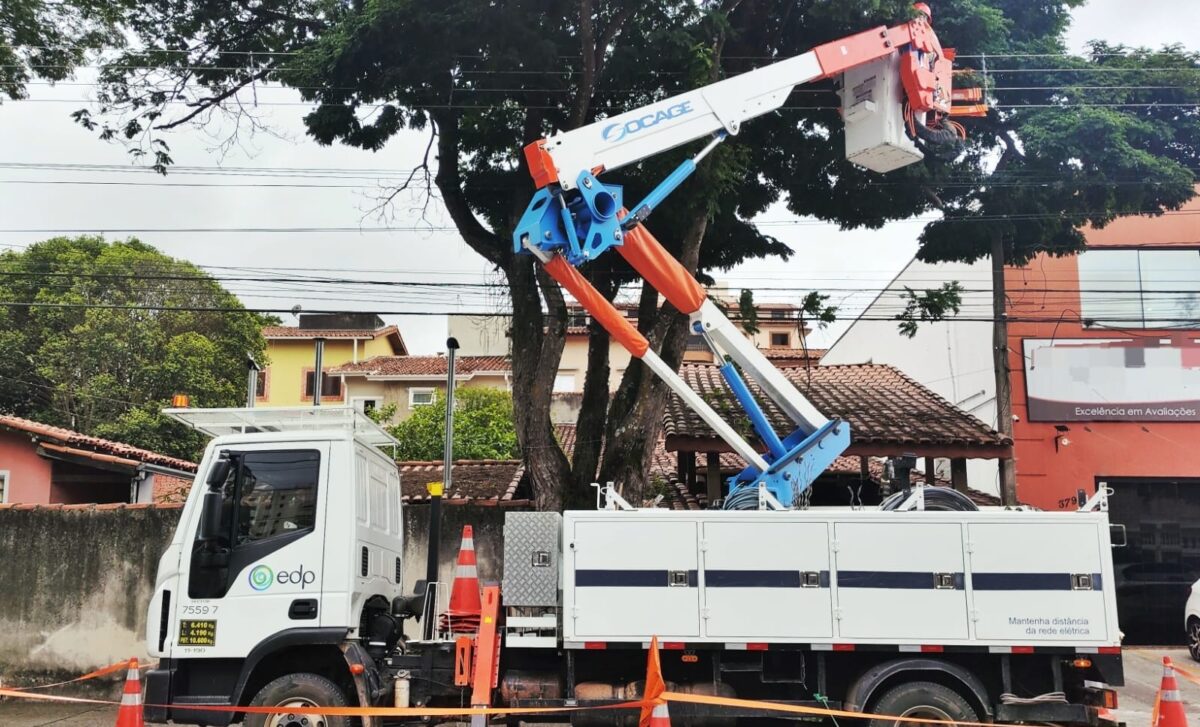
[{"x": 261, "y": 572}]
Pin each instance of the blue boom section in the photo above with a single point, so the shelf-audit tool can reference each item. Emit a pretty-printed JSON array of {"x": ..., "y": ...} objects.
[{"x": 787, "y": 477}]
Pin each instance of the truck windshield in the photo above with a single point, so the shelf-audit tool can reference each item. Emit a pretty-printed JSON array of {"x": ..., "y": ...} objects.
[{"x": 277, "y": 494}]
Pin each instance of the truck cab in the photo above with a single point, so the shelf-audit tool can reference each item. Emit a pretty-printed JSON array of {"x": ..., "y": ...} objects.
[{"x": 250, "y": 587}]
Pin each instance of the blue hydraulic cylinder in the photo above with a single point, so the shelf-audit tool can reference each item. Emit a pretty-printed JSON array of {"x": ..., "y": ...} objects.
[
  {"x": 658, "y": 194},
  {"x": 758, "y": 419}
]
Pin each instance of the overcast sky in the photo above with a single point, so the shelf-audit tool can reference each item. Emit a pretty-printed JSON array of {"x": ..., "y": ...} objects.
[{"x": 39, "y": 131}]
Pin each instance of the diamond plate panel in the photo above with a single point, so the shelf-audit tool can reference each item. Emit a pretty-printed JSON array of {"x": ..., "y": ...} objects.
[{"x": 532, "y": 550}]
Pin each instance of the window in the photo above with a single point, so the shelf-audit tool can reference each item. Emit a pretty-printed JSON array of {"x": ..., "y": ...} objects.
[
  {"x": 420, "y": 397},
  {"x": 1140, "y": 288},
  {"x": 564, "y": 381},
  {"x": 366, "y": 406},
  {"x": 777, "y": 314},
  {"x": 331, "y": 386},
  {"x": 781, "y": 340},
  {"x": 260, "y": 388},
  {"x": 277, "y": 494},
  {"x": 696, "y": 343},
  {"x": 3, "y": 485}
]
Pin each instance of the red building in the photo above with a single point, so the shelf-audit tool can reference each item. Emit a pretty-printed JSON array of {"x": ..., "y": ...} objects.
[{"x": 1106, "y": 391}]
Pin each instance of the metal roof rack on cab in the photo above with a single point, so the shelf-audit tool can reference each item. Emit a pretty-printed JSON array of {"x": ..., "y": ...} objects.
[{"x": 235, "y": 420}]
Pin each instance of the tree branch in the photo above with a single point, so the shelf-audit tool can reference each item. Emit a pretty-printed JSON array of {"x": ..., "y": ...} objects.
[
  {"x": 449, "y": 183},
  {"x": 205, "y": 104}
]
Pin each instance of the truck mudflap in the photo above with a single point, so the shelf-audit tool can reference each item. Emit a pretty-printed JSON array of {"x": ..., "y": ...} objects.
[
  {"x": 368, "y": 684},
  {"x": 158, "y": 692}
]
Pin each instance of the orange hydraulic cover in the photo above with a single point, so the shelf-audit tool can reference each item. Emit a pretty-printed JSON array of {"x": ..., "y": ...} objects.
[
  {"x": 541, "y": 166},
  {"x": 665, "y": 273},
  {"x": 596, "y": 304}
]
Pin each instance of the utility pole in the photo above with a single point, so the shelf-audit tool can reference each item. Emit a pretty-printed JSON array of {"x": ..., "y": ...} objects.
[
  {"x": 319, "y": 344},
  {"x": 436, "y": 490},
  {"x": 252, "y": 369},
  {"x": 1004, "y": 415}
]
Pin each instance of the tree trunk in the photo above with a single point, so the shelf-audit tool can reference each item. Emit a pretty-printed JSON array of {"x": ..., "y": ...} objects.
[
  {"x": 635, "y": 419},
  {"x": 537, "y": 344},
  {"x": 1004, "y": 420},
  {"x": 593, "y": 411}
]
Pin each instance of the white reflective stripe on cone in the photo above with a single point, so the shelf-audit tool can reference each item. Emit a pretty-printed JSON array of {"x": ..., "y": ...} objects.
[
  {"x": 660, "y": 711},
  {"x": 131, "y": 700},
  {"x": 468, "y": 544},
  {"x": 1171, "y": 695},
  {"x": 466, "y": 571}
]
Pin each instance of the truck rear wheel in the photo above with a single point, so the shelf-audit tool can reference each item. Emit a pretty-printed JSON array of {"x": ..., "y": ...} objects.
[
  {"x": 922, "y": 699},
  {"x": 298, "y": 690}
]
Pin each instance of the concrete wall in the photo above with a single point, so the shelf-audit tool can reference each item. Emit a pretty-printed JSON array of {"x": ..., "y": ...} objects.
[
  {"x": 74, "y": 584},
  {"x": 75, "y": 581}
]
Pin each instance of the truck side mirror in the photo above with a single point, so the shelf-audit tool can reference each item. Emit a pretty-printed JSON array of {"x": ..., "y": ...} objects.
[
  {"x": 210, "y": 516},
  {"x": 219, "y": 472}
]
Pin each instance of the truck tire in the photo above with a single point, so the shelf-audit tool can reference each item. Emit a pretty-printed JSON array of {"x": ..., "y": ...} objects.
[
  {"x": 922, "y": 699},
  {"x": 299, "y": 690}
]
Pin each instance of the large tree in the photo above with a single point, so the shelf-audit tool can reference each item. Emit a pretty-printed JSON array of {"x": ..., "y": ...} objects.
[
  {"x": 483, "y": 79},
  {"x": 98, "y": 336}
]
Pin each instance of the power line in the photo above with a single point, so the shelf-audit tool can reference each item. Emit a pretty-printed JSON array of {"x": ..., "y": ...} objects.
[{"x": 445, "y": 228}]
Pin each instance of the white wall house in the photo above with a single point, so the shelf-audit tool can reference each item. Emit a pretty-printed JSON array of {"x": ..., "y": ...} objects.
[{"x": 952, "y": 358}]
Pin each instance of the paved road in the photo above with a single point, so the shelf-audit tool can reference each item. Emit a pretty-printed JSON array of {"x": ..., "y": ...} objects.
[{"x": 1143, "y": 672}]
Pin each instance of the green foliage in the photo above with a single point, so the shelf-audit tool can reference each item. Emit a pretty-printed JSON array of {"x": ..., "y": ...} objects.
[
  {"x": 383, "y": 415},
  {"x": 112, "y": 340},
  {"x": 49, "y": 38},
  {"x": 814, "y": 308},
  {"x": 748, "y": 312},
  {"x": 483, "y": 427},
  {"x": 930, "y": 305}
]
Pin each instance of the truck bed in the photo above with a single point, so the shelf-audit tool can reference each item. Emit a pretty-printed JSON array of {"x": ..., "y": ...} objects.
[{"x": 837, "y": 579}]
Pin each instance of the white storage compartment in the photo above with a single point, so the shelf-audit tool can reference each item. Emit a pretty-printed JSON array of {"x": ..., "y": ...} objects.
[
  {"x": 1046, "y": 585},
  {"x": 900, "y": 579},
  {"x": 635, "y": 578},
  {"x": 769, "y": 580}
]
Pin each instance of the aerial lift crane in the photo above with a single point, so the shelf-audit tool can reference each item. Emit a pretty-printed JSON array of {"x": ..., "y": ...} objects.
[
  {"x": 895, "y": 82},
  {"x": 998, "y": 625}
]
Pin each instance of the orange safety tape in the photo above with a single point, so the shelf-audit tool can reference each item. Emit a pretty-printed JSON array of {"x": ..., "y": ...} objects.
[
  {"x": 102, "y": 671},
  {"x": 817, "y": 711},
  {"x": 331, "y": 711},
  {"x": 464, "y": 711},
  {"x": 1180, "y": 671},
  {"x": 1155, "y": 710}
]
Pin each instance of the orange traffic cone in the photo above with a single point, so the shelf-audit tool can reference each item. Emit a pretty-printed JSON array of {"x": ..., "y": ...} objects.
[
  {"x": 465, "y": 605},
  {"x": 129, "y": 714},
  {"x": 654, "y": 712},
  {"x": 1170, "y": 707}
]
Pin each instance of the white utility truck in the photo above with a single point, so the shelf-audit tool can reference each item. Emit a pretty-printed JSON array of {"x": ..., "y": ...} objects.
[{"x": 282, "y": 585}]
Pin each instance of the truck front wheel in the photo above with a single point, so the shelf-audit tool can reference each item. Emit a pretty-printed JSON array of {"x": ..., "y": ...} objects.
[
  {"x": 298, "y": 690},
  {"x": 923, "y": 700}
]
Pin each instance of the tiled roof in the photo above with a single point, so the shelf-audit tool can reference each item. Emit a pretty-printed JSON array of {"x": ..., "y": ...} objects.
[
  {"x": 474, "y": 480},
  {"x": 295, "y": 332},
  {"x": 95, "y": 444},
  {"x": 464, "y": 366},
  {"x": 812, "y": 354},
  {"x": 882, "y": 405}
]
